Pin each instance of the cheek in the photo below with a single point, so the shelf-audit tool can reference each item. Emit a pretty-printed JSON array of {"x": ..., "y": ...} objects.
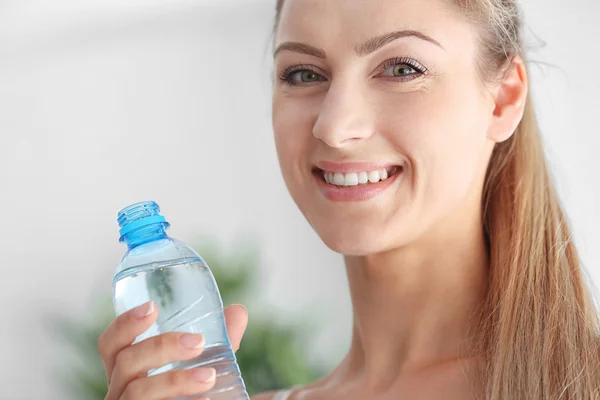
[
  {"x": 444, "y": 136},
  {"x": 293, "y": 132}
]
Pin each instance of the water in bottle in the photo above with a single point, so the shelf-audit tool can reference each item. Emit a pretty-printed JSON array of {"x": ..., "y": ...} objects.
[{"x": 159, "y": 268}]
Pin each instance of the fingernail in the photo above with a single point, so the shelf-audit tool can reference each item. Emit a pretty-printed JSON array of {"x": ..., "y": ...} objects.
[
  {"x": 190, "y": 341},
  {"x": 144, "y": 310},
  {"x": 204, "y": 374}
]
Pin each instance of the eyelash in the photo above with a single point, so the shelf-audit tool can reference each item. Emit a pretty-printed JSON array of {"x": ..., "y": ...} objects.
[
  {"x": 286, "y": 75},
  {"x": 412, "y": 63}
]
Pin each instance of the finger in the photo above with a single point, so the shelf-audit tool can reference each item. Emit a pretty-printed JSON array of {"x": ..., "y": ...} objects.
[
  {"x": 123, "y": 331},
  {"x": 236, "y": 319},
  {"x": 171, "y": 384},
  {"x": 135, "y": 361}
]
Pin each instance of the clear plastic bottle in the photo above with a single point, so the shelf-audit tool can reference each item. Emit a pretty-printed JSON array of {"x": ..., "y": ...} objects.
[{"x": 170, "y": 273}]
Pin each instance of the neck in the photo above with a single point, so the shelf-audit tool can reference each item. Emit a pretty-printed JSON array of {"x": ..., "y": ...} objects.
[{"x": 416, "y": 307}]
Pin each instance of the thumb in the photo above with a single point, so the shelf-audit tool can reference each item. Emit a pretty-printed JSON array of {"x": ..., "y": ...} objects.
[{"x": 236, "y": 319}]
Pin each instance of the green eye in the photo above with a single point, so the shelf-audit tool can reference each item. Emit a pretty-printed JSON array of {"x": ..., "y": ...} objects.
[
  {"x": 298, "y": 76},
  {"x": 400, "y": 70},
  {"x": 308, "y": 76}
]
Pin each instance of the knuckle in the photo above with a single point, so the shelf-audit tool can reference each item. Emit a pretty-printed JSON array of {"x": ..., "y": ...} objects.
[
  {"x": 164, "y": 344},
  {"x": 175, "y": 379},
  {"x": 179, "y": 384},
  {"x": 124, "y": 360},
  {"x": 119, "y": 324},
  {"x": 103, "y": 344},
  {"x": 160, "y": 343}
]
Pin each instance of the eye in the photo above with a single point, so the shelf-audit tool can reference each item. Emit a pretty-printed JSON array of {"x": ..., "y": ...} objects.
[
  {"x": 399, "y": 70},
  {"x": 305, "y": 76},
  {"x": 402, "y": 68},
  {"x": 300, "y": 75}
]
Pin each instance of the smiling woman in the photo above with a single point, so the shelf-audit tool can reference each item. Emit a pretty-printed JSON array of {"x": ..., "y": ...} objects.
[{"x": 406, "y": 137}]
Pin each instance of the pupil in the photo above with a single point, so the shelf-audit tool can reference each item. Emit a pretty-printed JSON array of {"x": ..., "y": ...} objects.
[
  {"x": 402, "y": 70},
  {"x": 309, "y": 76}
]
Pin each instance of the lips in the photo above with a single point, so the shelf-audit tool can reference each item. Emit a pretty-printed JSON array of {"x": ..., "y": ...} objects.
[{"x": 352, "y": 182}]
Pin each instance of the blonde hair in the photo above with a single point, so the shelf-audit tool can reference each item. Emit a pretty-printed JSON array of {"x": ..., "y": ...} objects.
[{"x": 539, "y": 330}]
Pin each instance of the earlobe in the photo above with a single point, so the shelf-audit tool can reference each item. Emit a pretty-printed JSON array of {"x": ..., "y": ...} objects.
[{"x": 510, "y": 98}]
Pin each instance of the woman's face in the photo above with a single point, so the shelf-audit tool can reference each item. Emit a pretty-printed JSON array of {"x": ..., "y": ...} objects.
[{"x": 369, "y": 88}]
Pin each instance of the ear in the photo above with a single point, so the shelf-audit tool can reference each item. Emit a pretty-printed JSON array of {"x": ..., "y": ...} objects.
[{"x": 510, "y": 96}]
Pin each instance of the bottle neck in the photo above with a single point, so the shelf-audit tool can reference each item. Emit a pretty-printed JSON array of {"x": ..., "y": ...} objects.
[
  {"x": 141, "y": 223},
  {"x": 146, "y": 234}
]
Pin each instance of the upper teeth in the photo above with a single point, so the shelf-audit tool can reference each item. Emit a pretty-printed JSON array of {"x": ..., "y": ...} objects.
[{"x": 356, "y": 178}]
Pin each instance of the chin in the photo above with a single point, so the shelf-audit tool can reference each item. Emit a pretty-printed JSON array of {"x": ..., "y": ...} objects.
[{"x": 355, "y": 241}]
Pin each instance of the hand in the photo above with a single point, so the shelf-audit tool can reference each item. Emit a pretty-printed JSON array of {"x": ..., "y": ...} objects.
[{"x": 127, "y": 364}]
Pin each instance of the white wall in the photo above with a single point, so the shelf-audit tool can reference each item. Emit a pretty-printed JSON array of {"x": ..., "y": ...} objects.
[
  {"x": 104, "y": 103},
  {"x": 564, "y": 45}
]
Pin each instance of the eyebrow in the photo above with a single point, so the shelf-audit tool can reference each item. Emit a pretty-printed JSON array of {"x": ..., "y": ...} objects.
[{"x": 370, "y": 46}]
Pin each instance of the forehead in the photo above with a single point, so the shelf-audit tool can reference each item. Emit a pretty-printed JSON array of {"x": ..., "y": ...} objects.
[{"x": 353, "y": 21}]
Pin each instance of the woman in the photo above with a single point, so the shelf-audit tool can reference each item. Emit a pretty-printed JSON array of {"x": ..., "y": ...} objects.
[{"x": 406, "y": 136}]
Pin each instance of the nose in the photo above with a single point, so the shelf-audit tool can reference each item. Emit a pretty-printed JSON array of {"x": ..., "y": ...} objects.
[{"x": 345, "y": 117}]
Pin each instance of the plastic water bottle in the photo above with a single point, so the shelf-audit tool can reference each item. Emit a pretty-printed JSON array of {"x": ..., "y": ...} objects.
[{"x": 170, "y": 273}]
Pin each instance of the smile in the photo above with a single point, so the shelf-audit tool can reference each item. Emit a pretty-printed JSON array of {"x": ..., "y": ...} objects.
[
  {"x": 359, "y": 178},
  {"x": 337, "y": 183}
]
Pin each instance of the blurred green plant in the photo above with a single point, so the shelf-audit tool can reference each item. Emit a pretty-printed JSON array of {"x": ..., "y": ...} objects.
[{"x": 270, "y": 356}]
